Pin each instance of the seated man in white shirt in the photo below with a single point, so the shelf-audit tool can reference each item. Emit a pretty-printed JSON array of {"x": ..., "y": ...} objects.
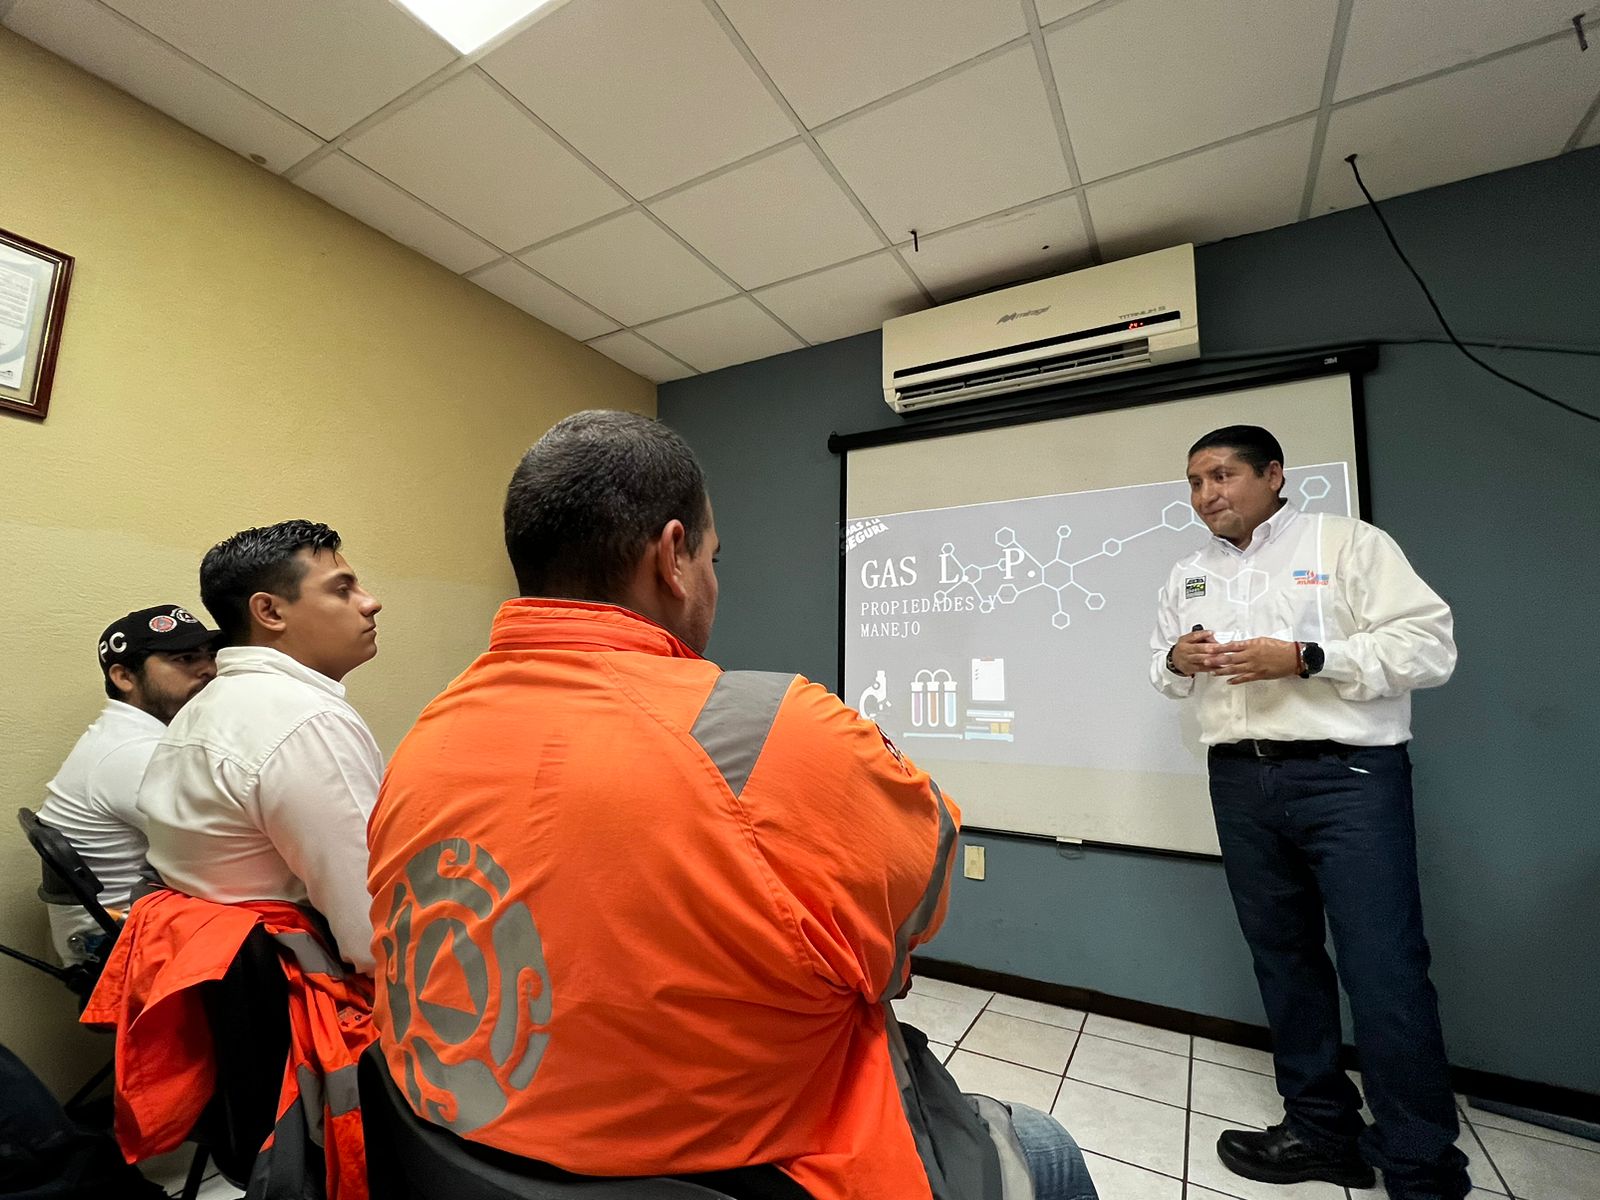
[
  {"x": 261, "y": 788},
  {"x": 154, "y": 662}
]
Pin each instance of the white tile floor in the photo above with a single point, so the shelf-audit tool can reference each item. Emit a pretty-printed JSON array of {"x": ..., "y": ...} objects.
[{"x": 1146, "y": 1105}]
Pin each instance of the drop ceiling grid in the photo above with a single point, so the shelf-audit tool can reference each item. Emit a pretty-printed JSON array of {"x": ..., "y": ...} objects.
[{"x": 896, "y": 70}]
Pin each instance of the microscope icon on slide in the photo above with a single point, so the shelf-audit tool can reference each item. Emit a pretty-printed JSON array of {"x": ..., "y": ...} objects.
[{"x": 876, "y": 698}]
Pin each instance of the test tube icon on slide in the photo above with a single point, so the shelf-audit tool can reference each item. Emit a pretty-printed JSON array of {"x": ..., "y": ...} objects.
[
  {"x": 949, "y": 707},
  {"x": 919, "y": 700}
]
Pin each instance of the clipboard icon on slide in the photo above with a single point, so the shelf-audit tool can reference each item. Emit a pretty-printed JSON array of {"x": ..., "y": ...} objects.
[{"x": 988, "y": 680}]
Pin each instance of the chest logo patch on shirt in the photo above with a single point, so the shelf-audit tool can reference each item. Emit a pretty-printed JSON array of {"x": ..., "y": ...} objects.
[
  {"x": 1195, "y": 586},
  {"x": 1310, "y": 579}
]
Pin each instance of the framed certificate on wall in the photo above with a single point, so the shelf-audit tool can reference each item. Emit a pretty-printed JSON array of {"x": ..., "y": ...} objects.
[{"x": 33, "y": 302}]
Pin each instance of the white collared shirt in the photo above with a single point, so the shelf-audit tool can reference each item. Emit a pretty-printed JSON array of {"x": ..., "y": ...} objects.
[
  {"x": 92, "y": 801},
  {"x": 1319, "y": 578},
  {"x": 261, "y": 790}
]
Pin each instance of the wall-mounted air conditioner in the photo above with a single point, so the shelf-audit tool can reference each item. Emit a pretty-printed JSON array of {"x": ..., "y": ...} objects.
[{"x": 1135, "y": 313}]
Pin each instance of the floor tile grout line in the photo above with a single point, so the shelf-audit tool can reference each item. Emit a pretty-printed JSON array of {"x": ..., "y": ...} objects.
[
  {"x": 1136, "y": 1166},
  {"x": 1055, "y": 1099},
  {"x": 1472, "y": 1128},
  {"x": 1104, "y": 1087},
  {"x": 1534, "y": 1137},
  {"x": 1188, "y": 1121},
  {"x": 1011, "y": 1062},
  {"x": 1211, "y": 1062},
  {"x": 1061, "y": 1084},
  {"x": 1137, "y": 1045}
]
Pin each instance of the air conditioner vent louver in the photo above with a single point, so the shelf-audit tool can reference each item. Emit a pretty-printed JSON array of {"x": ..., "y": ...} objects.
[{"x": 1040, "y": 372}]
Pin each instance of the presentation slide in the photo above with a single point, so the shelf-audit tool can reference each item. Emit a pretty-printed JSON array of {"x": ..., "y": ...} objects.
[{"x": 1003, "y": 642}]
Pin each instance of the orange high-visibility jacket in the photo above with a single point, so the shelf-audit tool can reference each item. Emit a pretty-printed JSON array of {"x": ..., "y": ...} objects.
[
  {"x": 165, "y": 1069},
  {"x": 638, "y": 916}
]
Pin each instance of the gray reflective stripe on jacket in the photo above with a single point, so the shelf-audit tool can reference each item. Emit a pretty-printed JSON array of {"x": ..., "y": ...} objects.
[
  {"x": 736, "y": 718},
  {"x": 967, "y": 1156},
  {"x": 294, "y": 1165},
  {"x": 917, "y": 922},
  {"x": 732, "y": 728},
  {"x": 967, "y": 1144},
  {"x": 312, "y": 956}
]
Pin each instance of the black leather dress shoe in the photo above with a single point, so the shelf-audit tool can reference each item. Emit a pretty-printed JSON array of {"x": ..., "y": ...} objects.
[{"x": 1276, "y": 1155}]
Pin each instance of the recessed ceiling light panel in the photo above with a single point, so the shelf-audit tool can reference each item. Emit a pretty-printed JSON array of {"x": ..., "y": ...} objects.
[{"x": 470, "y": 24}]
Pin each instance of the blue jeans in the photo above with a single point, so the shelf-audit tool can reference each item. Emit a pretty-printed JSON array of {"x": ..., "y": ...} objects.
[
  {"x": 1313, "y": 844},
  {"x": 1054, "y": 1160}
]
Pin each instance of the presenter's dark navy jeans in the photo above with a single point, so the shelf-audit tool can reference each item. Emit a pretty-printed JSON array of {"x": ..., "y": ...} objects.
[{"x": 1333, "y": 837}]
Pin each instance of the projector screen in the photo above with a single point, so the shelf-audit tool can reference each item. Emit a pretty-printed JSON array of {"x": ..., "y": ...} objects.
[{"x": 999, "y": 594}]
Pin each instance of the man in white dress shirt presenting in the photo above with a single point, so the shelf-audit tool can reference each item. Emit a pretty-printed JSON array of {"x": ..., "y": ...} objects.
[
  {"x": 1300, "y": 639},
  {"x": 262, "y": 786}
]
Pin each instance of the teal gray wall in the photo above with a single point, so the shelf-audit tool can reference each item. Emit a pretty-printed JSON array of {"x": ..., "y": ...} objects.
[{"x": 1493, "y": 494}]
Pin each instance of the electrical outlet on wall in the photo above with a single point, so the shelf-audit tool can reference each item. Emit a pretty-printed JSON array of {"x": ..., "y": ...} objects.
[{"x": 973, "y": 865}]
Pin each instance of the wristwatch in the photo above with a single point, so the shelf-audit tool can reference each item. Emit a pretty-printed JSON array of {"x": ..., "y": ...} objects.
[
  {"x": 1172, "y": 666},
  {"x": 1312, "y": 657}
]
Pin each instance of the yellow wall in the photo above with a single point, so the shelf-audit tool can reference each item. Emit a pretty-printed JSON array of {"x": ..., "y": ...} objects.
[{"x": 236, "y": 352}]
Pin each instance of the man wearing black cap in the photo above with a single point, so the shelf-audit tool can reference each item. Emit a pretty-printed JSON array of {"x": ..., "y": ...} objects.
[{"x": 154, "y": 662}]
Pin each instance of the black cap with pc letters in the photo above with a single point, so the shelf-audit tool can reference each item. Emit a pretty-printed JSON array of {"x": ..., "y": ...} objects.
[{"x": 164, "y": 629}]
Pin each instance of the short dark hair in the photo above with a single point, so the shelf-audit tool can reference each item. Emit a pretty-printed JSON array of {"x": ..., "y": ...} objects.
[
  {"x": 590, "y": 493},
  {"x": 257, "y": 560},
  {"x": 1250, "y": 442}
]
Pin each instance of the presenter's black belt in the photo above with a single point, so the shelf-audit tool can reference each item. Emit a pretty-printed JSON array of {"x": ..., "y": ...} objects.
[{"x": 1263, "y": 748}]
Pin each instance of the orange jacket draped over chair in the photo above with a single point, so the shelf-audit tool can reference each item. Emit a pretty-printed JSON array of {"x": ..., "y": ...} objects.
[
  {"x": 165, "y": 1067},
  {"x": 638, "y": 916}
]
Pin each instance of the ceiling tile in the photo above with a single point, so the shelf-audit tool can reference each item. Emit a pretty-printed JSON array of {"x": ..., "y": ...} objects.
[
  {"x": 513, "y": 282},
  {"x": 1045, "y": 239},
  {"x": 847, "y": 299},
  {"x": 653, "y": 94},
  {"x": 325, "y": 65},
  {"x": 474, "y": 155},
  {"x": 629, "y": 268},
  {"x": 1054, "y": 10},
  {"x": 104, "y": 44},
  {"x": 830, "y": 58},
  {"x": 1458, "y": 125},
  {"x": 1146, "y": 79},
  {"x": 1252, "y": 184},
  {"x": 974, "y": 143},
  {"x": 735, "y": 331},
  {"x": 640, "y": 357},
  {"x": 369, "y": 197},
  {"x": 779, "y": 216},
  {"x": 1390, "y": 43}
]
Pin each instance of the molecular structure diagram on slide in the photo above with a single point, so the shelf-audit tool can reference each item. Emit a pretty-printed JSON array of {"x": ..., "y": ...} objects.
[{"x": 1023, "y": 572}]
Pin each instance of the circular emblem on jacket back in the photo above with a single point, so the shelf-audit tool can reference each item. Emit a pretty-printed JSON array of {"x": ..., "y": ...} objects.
[{"x": 468, "y": 990}]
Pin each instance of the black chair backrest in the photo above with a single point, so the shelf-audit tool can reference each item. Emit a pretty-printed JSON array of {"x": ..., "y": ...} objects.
[
  {"x": 412, "y": 1159},
  {"x": 65, "y": 877}
]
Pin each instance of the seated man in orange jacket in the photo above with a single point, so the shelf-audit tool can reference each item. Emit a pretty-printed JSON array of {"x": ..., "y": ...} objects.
[{"x": 635, "y": 915}]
